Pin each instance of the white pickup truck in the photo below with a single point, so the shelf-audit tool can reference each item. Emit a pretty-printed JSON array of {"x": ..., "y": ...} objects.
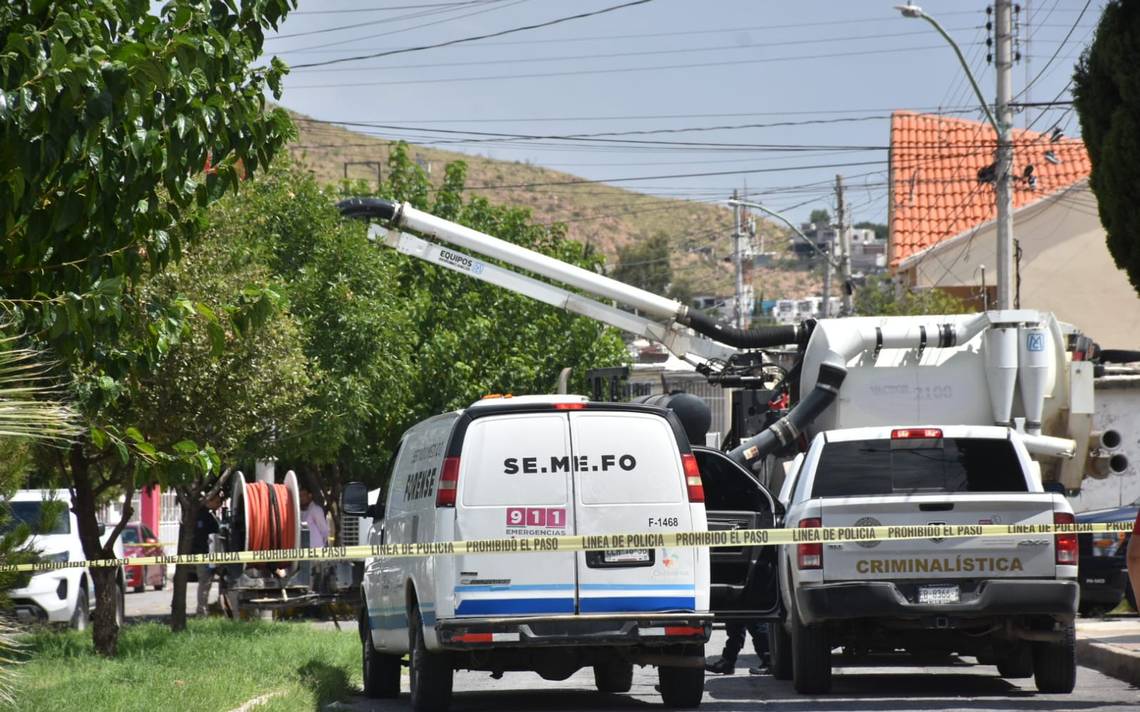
[{"x": 1009, "y": 600}]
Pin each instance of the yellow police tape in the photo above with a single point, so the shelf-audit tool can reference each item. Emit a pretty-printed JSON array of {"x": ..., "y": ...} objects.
[{"x": 599, "y": 542}]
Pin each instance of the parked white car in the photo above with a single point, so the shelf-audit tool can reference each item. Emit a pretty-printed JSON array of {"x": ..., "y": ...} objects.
[{"x": 64, "y": 595}]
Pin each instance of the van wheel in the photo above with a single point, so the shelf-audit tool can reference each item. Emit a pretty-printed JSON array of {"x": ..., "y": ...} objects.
[
  {"x": 81, "y": 617},
  {"x": 1055, "y": 664},
  {"x": 811, "y": 658},
  {"x": 780, "y": 651},
  {"x": 683, "y": 687},
  {"x": 381, "y": 672},
  {"x": 1018, "y": 664},
  {"x": 613, "y": 676},
  {"x": 431, "y": 673}
]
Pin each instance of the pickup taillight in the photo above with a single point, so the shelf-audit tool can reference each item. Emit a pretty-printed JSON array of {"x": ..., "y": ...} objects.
[
  {"x": 809, "y": 556},
  {"x": 693, "y": 481},
  {"x": 1065, "y": 544}
]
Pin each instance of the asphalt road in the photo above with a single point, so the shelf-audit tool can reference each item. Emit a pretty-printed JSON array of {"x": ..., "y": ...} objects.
[
  {"x": 881, "y": 684},
  {"x": 868, "y": 684}
]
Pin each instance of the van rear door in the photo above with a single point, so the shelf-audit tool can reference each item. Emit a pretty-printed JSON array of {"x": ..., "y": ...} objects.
[
  {"x": 629, "y": 477},
  {"x": 514, "y": 482}
]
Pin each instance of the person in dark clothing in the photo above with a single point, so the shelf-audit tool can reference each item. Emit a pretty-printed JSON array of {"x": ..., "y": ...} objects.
[
  {"x": 206, "y": 524},
  {"x": 726, "y": 663}
]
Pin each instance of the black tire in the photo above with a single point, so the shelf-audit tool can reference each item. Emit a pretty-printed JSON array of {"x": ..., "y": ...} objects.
[
  {"x": 1055, "y": 664},
  {"x": 811, "y": 658},
  {"x": 381, "y": 672},
  {"x": 161, "y": 584},
  {"x": 613, "y": 676},
  {"x": 1018, "y": 664},
  {"x": 81, "y": 617},
  {"x": 683, "y": 687},
  {"x": 1130, "y": 595},
  {"x": 138, "y": 589},
  {"x": 780, "y": 651},
  {"x": 431, "y": 674}
]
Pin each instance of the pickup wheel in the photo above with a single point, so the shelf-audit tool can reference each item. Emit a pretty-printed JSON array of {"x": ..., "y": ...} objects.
[
  {"x": 683, "y": 687},
  {"x": 613, "y": 676},
  {"x": 1055, "y": 664},
  {"x": 381, "y": 672},
  {"x": 780, "y": 650},
  {"x": 1018, "y": 664},
  {"x": 431, "y": 674},
  {"x": 811, "y": 658}
]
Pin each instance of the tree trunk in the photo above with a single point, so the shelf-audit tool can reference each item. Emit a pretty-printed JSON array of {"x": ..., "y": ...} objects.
[
  {"x": 190, "y": 507},
  {"x": 107, "y": 580}
]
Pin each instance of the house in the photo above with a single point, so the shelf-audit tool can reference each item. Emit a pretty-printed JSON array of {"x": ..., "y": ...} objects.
[{"x": 943, "y": 233}]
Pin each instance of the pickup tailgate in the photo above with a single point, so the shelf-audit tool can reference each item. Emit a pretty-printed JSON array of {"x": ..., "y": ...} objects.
[{"x": 964, "y": 558}]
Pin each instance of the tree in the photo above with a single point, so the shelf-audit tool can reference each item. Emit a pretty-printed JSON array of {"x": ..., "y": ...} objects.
[
  {"x": 108, "y": 115},
  {"x": 644, "y": 263},
  {"x": 237, "y": 380},
  {"x": 880, "y": 297},
  {"x": 1105, "y": 96},
  {"x": 820, "y": 216}
]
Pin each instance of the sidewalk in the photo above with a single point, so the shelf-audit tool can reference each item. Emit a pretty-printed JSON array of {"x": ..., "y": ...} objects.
[{"x": 1110, "y": 645}]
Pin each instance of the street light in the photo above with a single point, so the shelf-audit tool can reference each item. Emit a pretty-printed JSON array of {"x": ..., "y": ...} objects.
[
  {"x": 831, "y": 262},
  {"x": 916, "y": 11},
  {"x": 1002, "y": 123}
]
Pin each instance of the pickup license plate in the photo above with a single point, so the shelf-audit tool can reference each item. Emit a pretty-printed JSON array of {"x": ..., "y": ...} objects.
[
  {"x": 626, "y": 556},
  {"x": 938, "y": 594}
]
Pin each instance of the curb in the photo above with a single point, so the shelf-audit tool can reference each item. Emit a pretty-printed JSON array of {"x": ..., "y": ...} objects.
[{"x": 1109, "y": 659}]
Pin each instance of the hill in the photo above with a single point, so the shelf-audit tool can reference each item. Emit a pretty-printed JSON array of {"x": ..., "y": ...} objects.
[{"x": 603, "y": 216}]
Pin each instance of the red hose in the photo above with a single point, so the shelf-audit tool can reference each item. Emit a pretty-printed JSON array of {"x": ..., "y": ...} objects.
[{"x": 272, "y": 522}]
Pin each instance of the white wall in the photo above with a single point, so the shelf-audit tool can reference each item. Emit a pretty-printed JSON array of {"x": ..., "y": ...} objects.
[{"x": 1118, "y": 407}]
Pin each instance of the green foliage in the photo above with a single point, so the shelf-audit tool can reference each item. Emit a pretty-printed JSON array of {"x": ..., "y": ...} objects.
[
  {"x": 644, "y": 263},
  {"x": 108, "y": 115},
  {"x": 881, "y": 230},
  {"x": 879, "y": 297},
  {"x": 820, "y": 216},
  {"x": 219, "y": 665},
  {"x": 1106, "y": 96}
]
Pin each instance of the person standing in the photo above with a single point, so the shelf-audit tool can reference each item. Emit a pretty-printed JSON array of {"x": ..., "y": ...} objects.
[
  {"x": 726, "y": 663},
  {"x": 204, "y": 526},
  {"x": 313, "y": 515}
]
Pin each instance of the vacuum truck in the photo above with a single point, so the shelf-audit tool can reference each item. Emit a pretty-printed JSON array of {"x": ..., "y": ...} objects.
[{"x": 1021, "y": 368}]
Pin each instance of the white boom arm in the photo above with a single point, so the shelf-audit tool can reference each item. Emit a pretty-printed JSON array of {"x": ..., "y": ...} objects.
[{"x": 674, "y": 338}]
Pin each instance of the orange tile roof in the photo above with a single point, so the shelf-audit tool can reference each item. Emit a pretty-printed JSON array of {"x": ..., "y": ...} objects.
[{"x": 934, "y": 188}]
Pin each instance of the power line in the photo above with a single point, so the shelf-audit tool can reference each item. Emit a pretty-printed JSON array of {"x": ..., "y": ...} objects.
[
  {"x": 618, "y": 70},
  {"x": 384, "y": 8},
  {"x": 387, "y": 20},
  {"x": 473, "y": 38},
  {"x": 611, "y": 55},
  {"x": 1057, "y": 52}
]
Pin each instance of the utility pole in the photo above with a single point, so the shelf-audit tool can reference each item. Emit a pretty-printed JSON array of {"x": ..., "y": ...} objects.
[
  {"x": 844, "y": 247},
  {"x": 738, "y": 261},
  {"x": 825, "y": 305},
  {"x": 1004, "y": 180}
]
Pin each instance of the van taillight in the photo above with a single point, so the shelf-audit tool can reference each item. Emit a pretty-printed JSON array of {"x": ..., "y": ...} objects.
[
  {"x": 448, "y": 483},
  {"x": 1066, "y": 544},
  {"x": 809, "y": 556},
  {"x": 693, "y": 478}
]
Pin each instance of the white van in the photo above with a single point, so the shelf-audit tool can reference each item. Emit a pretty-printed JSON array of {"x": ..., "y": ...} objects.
[
  {"x": 64, "y": 595},
  {"x": 539, "y": 466}
]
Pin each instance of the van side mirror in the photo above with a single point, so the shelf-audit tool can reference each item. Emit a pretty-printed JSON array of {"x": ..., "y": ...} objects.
[{"x": 354, "y": 499}]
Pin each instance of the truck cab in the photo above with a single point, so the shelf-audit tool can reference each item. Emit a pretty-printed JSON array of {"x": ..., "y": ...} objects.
[{"x": 1008, "y": 600}]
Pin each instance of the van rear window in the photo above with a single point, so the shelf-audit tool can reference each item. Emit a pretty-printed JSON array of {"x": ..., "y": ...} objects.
[
  {"x": 875, "y": 467},
  {"x": 516, "y": 459}
]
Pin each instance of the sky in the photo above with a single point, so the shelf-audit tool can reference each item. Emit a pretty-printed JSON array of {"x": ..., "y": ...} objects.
[{"x": 802, "y": 91}]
